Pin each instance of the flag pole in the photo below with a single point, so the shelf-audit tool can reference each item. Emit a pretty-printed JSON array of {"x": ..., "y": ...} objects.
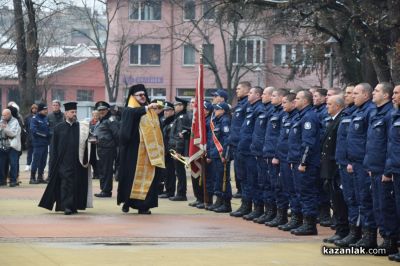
[{"x": 203, "y": 157}]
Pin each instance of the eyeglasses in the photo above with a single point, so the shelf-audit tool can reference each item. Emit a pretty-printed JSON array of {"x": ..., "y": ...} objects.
[{"x": 140, "y": 94}]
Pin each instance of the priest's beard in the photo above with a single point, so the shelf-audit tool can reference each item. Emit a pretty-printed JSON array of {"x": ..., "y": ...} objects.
[{"x": 72, "y": 119}]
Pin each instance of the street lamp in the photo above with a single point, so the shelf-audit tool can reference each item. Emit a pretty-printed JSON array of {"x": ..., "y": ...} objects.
[
  {"x": 258, "y": 71},
  {"x": 331, "y": 42}
]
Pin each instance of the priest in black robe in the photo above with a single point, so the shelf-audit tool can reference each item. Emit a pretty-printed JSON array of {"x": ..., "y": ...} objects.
[
  {"x": 141, "y": 153},
  {"x": 69, "y": 182}
]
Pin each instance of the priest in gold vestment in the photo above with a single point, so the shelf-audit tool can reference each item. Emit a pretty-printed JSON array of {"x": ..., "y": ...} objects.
[{"x": 141, "y": 153}]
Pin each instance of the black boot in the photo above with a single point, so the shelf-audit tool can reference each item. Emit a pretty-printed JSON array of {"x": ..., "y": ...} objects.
[
  {"x": 257, "y": 212},
  {"x": 390, "y": 246},
  {"x": 218, "y": 203},
  {"x": 351, "y": 238},
  {"x": 332, "y": 239},
  {"x": 394, "y": 257},
  {"x": 295, "y": 221},
  {"x": 264, "y": 218},
  {"x": 225, "y": 207},
  {"x": 33, "y": 181},
  {"x": 194, "y": 203},
  {"x": 280, "y": 218},
  {"x": 308, "y": 228},
  {"x": 368, "y": 239},
  {"x": 325, "y": 216},
  {"x": 237, "y": 195},
  {"x": 244, "y": 209},
  {"x": 207, "y": 204}
]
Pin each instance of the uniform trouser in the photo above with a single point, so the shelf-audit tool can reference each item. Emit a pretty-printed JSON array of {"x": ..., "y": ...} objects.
[
  {"x": 39, "y": 159},
  {"x": 339, "y": 207},
  {"x": 210, "y": 179},
  {"x": 396, "y": 190},
  {"x": 308, "y": 189},
  {"x": 170, "y": 177},
  {"x": 363, "y": 189},
  {"x": 222, "y": 179},
  {"x": 67, "y": 191},
  {"x": 29, "y": 155},
  {"x": 10, "y": 159},
  {"x": 348, "y": 181},
  {"x": 248, "y": 166},
  {"x": 288, "y": 186},
  {"x": 384, "y": 206},
  {"x": 280, "y": 195},
  {"x": 105, "y": 168},
  {"x": 181, "y": 175},
  {"x": 238, "y": 172},
  {"x": 264, "y": 189}
]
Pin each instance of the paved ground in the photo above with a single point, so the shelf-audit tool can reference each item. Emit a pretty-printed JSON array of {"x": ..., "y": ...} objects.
[{"x": 174, "y": 234}]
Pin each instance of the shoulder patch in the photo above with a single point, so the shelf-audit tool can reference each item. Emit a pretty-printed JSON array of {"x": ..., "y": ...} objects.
[
  {"x": 307, "y": 125},
  {"x": 226, "y": 129}
]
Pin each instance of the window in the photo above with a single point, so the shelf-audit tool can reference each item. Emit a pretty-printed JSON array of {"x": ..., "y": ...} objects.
[
  {"x": 58, "y": 94},
  {"x": 208, "y": 54},
  {"x": 157, "y": 93},
  {"x": 189, "y": 10},
  {"x": 145, "y": 10},
  {"x": 287, "y": 54},
  {"x": 84, "y": 95},
  {"x": 13, "y": 95},
  {"x": 145, "y": 54},
  {"x": 188, "y": 55},
  {"x": 208, "y": 10},
  {"x": 248, "y": 51},
  {"x": 186, "y": 93}
]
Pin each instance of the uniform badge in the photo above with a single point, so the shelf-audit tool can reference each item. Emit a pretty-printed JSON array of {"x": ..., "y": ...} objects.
[
  {"x": 307, "y": 125},
  {"x": 248, "y": 122},
  {"x": 226, "y": 129},
  {"x": 356, "y": 126},
  {"x": 273, "y": 125},
  {"x": 181, "y": 116},
  {"x": 287, "y": 131}
]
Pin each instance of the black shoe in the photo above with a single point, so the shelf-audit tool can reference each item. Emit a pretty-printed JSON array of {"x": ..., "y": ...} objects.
[
  {"x": 324, "y": 218},
  {"x": 125, "y": 208},
  {"x": 308, "y": 228},
  {"x": 178, "y": 198},
  {"x": 201, "y": 206},
  {"x": 394, "y": 257},
  {"x": 224, "y": 208},
  {"x": 295, "y": 222},
  {"x": 68, "y": 211},
  {"x": 194, "y": 203},
  {"x": 2, "y": 184},
  {"x": 144, "y": 211},
  {"x": 103, "y": 195},
  {"x": 333, "y": 238},
  {"x": 244, "y": 209},
  {"x": 13, "y": 184},
  {"x": 270, "y": 213},
  {"x": 164, "y": 196},
  {"x": 280, "y": 218},
  {"x": 352, "y": 238},
  {"x": 33, "y": 182},
  {"x": 218, "y": 203},
  {"x": 389, "y": 245},
  {"x": 368, "y": 240}
]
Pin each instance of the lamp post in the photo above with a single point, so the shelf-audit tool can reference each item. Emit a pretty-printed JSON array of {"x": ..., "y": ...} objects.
[{"x": 331, "y": 41}]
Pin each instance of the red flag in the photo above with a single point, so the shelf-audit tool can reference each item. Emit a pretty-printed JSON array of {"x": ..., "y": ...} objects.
[{"x": 198, "y": 141}]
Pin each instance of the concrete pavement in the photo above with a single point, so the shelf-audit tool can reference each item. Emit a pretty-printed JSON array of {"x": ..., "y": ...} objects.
[{"x": 174, "y": 234}]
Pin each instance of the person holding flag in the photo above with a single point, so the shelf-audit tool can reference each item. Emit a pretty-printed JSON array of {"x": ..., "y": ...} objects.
[{"x": 220, "y": 164}]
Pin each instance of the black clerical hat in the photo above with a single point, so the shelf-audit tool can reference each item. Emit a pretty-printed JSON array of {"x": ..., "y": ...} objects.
[
  {"x": 168, "y": 105},
  {"x": 101, "y": 105},
  {"x": 134, "y": 89},
  {"x": 181, "y": 101},
  {"x": 70, "y": 106}
]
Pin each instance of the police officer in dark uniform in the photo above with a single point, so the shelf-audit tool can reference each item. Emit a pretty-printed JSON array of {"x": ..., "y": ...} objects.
[
  {"x": 347, "y": 180},
  {"x": 239, "y": 113},
  {"x": 304, "y": 156},
  {"x": 391, "y": 182},
  {"x": 375, "y": 158},
  {"x": 40, "y": 132},
  {"x": 220, "y": 165},
  {"x": 329, "y": 170},
  {"x": 356, "y": 143},
  {"x": 256, "y": 149},
  {"x": 169, "y": 177},
  {"x": 275, "y": 194},
  {"x": 247, "y": 162},
  {"x": 285, "y": 172},
  {"x": 107, "y": 133},
  {"x": 179, "y": 142}
]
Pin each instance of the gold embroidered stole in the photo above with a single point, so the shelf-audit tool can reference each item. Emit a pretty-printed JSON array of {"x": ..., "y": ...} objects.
[{"x": 150, "y": 153}]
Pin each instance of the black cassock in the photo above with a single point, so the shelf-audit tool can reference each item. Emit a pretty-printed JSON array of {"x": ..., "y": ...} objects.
[
  {"x": 129, "y": 145},
  {"x": 68, "y": 185}
]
